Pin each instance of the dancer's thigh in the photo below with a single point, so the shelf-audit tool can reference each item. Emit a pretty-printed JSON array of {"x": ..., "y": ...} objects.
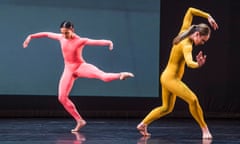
[{"x": 88, "y": 71}]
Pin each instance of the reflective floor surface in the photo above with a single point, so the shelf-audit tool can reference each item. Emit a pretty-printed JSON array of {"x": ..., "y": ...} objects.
[{"x": 115, "y": 131}]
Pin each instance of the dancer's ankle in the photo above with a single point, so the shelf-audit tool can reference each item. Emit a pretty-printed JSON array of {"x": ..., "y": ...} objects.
[
  {"x": 142, "y": 128},
  {"x": 206, "y": 133},
  {"x": 80, "y": 123}
]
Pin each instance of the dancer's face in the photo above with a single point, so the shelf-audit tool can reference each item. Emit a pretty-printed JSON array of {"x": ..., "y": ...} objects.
[
  {"x": 67, "y": 32},
  {"x": 200, "y": 39}
]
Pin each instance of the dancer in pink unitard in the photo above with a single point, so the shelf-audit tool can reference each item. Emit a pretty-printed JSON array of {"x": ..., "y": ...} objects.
[{"x": 75, "y": 66}]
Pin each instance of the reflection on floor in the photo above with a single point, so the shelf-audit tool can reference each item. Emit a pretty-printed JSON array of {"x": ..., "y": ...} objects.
[{"x": 115, "y": 131}]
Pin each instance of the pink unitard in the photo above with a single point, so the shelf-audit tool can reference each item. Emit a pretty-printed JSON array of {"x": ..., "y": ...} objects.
[{"x": 75, "y": 66}]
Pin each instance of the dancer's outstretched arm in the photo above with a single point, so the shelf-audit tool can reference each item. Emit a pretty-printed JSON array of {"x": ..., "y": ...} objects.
[
  {"x": 51, "y": 35},
  {"x": 100, "y": 43}
]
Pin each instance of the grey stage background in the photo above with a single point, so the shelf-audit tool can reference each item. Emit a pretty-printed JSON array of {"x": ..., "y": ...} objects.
[{"x": 133, "y": 26}]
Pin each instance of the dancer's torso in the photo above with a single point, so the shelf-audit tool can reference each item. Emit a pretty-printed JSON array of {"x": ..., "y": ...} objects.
[{"x": 72, "y": 51}]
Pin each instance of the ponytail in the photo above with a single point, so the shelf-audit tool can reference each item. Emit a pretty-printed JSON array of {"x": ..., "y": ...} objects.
[{"x": 184, "y": 34}]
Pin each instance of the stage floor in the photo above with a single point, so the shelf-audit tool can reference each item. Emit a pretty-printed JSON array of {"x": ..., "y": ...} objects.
[{"x": 115, "y": 131}]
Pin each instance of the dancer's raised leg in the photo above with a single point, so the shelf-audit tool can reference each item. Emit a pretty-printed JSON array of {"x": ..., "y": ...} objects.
[{"x": 87, "y": 70}]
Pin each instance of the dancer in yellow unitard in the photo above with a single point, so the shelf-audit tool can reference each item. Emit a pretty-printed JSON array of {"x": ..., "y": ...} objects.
[{"x": 181, "y": 54}]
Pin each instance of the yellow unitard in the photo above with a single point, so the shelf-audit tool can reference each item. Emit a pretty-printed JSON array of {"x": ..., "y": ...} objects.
[{"x": 170, "y": 79}]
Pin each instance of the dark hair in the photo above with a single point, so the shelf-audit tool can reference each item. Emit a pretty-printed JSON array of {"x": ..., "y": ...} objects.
[{"x": 66, "y": 24}]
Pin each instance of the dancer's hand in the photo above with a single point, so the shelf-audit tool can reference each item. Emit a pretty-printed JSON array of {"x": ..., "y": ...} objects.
[
  {"x": 26, "y": 42},
  {"x": 201, "y": 59},
  {"x": 213, "y": 23},
  {"x": 111, "y": 46}
]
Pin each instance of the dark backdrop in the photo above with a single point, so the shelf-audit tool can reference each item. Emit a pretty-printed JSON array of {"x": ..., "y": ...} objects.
[{"x": 216, "y": 84}]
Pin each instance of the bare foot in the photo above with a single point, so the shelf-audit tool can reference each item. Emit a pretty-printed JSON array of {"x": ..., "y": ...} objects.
[
  {"x": 206, "y": 133},
  {"x": 80, "y": 124},
  {"x": 142, "y": 128},
  {"x": 125, "y": 75}
]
